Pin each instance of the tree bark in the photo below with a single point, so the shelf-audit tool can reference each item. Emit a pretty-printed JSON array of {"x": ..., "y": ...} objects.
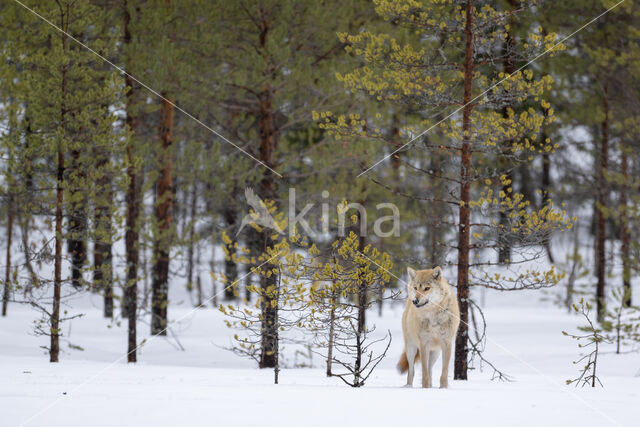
[
  {"x": 193, "y": 202},
  {"x": 267, "y": 191},
  {"x": 332, "y": 327},
  {"x": 54, "y": 318},
  {"x": 77, "y": 245},
  {"x": 601, "y": 205},
  {"x": 33, "y": 277},
  {"x": 435, "y": 229},
  {"x": 509, "y": 67},
  {"x": 396, "y": 143},
  {"x": 544, "y": 190},
  {"x": 131, "y": 234},
  {"x": 625, "y": 236},
  {"x": 54, "y": 347},
  {"x": 230, "y": 267},
  {"x": 362, "y": 288},
  {"x": 267, "y": 188},
  {"x": 7, "y": 273},
  {"x": 460, "y": 361},
  {"x": 102, "y": 254},
  {"x": 164, "y": 218}
]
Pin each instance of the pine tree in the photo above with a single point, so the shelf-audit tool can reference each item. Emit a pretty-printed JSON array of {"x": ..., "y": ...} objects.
[
  {"x": 450, "y": 62},
  {"x": 67, "y": 97}
]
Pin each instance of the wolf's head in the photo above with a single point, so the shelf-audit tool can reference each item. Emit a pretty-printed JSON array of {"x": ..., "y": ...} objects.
[{"x": 425, "y": 286}]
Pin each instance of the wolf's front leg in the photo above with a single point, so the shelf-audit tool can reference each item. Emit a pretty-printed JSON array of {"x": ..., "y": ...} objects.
[
  {"x": 410, "y": 351},
  {"x": 446, "y": 358},
  {"x": 426, "y": 372}
]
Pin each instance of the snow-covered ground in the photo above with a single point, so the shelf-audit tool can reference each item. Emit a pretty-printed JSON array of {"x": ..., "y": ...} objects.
[{"x": 189, "y": 379}]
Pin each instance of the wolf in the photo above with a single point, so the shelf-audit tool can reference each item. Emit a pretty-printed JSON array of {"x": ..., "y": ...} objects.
[{"x": 429, "y": 324}]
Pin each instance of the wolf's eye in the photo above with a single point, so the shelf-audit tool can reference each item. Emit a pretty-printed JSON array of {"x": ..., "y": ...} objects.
[
  {"x": 415, "y": 288},
  {"x": 427, "y": 288}
]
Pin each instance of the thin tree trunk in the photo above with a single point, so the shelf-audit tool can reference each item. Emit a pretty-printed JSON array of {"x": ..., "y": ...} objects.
[
  {"x": 362, "y": 288},
  {"x": 568, "y": 301},
  {"x": 544, "y": 190},
  {"x": 54, "y": 318},
  {"x": 460, "y": 361},
  {"x": 214, "y": 287},
  {"x": 624, "y": 230},
  {"x": 33, "y": 277},
  {"x": 7, "y": 274},
  {"x": 435, "y": 229},
  {"x": 230, "y": 266},
  {"x": 164, "y": 218},
  {"x": 131, "y": 234},
  {"x": 192, "y": 236},
  {"x": 25, "y": 219},
  {"x": 332, "y": 327},
  {"x": 198, "y": 291},
  {"x": 54, "y": 347},
  {"x": 600, "y": 207},
  {"x": 509, "y": 66},
  {"x": 397, "y": 143}
]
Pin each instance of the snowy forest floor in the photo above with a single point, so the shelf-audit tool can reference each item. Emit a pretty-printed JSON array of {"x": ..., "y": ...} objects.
[{"x": 203, "y": 384}]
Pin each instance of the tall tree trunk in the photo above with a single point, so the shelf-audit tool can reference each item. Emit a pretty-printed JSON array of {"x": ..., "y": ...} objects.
[
  {"x": 396, "y": 144},
  {"x": 214, "y": 287},
  {"x": 267, "y": 188},
  {"x": 435, "y": 229},
  {"x": 267, "y": 191},
  {"x": 625, "y": 235},
  {"x": 198, "y": 281},
  {"x": 54, "y": 347},
  {"x": 193, "y": 201},
  {"x": 25, "y": 218},
  {"x": 54, "y": 318},
  {"x": 131, "y": 234},
  {"x": 164, "y": 218},
  {"x": 77, "y": 245},
  {"x": 333, "y": 299},
  {"x": 102, "y": 253},
  {"x": 7, "y": 273},
  {"x": 544, "y": 190},
  {"x": 601, "y": 205},
  {"x": 509, "y": 66},
  {"x": 252, "y": 240},
  {"x": 362, "y": 287},
  {"x": 460, "y": 362},
  {"x": 362, "y": 317},
  {"x": 230, "y": 266}
]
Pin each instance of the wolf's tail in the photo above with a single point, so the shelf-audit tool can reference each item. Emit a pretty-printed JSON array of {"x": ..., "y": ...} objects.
[{"x": 403, "y": 363}]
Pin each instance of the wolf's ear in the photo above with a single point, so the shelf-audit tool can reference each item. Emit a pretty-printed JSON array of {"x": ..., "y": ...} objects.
[
  {"x": 437, "y": 273},
  {"x": 411, "y": 272}
]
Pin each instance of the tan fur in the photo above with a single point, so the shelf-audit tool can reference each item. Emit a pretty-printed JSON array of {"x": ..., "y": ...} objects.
[
  {"x": 430, "y": 326},
  {"x": 403, "y": 363}
]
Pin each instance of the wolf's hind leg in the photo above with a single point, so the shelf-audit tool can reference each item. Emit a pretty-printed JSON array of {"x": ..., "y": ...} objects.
[
  {"x": 433, "y": 357},
  {"x": 410, "y": 350}
]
